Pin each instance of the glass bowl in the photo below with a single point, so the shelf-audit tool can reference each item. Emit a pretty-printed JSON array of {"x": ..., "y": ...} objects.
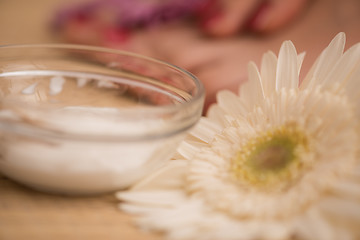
[{"x": 86, "y": 120}]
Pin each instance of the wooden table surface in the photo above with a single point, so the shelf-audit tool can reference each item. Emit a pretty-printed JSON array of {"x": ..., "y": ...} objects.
[{"x": 28, "y": 214}]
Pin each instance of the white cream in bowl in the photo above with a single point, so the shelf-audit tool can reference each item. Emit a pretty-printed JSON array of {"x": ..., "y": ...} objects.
[{"x": 89, "y": 132}]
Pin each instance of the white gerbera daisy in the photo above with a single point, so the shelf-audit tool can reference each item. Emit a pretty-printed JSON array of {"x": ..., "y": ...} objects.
[{"x": 278, "y": 161}]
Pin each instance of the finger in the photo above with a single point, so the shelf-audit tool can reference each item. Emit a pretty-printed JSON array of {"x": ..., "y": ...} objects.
[
  {"x": 228, "y": 17},
  {"x": 276, "y": 14}
]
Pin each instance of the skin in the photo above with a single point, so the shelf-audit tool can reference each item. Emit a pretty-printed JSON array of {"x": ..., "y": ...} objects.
[
  {"x": 260, "y": 16},
  {"x": 219, "y": 55}
]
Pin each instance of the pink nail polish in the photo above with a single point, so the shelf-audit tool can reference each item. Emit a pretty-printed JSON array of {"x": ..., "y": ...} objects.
[
  {"x": 81, "y": 17},
  {"x": 208, "y": 14},
  {"x": 258, "y": 20},
  {"x": 116, "y": 35},
  {"x": 209, "y": 22}
]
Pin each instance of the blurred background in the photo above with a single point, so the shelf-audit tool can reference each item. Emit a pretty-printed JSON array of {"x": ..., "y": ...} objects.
[
  {"x": 216, "y": 46},
  {"x": 24, "y": 21}
]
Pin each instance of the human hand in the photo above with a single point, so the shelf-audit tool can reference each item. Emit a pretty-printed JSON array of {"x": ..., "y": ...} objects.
[
  {"x": 99, "y": 22},
  {"x": 213, "y": 61},
  {"x": 221, "y": 63},
  {"x": 229, "y": 17}
]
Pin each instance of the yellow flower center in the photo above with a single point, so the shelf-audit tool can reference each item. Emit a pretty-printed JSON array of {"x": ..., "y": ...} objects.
[{"x": 272, "y": 159}]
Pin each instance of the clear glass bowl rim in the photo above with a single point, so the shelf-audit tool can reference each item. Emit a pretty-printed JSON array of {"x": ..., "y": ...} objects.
[{"x": 197, "y": 98}]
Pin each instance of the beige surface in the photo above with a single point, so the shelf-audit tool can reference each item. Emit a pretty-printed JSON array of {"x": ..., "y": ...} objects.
[
  {"x": 28, "y": 214},
  {"x": 28, "y": 21},
  {"x": 24, "y": 21}
]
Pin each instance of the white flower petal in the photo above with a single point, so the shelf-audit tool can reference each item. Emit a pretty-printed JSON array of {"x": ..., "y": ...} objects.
[
  {"x": 287, "y": 67},
  {"x": 189, "y": 148},
  {"x": 251, "y": 91},
  {"x": 169, "y": 176},
  {"x": 268, "y": 73},
  {"x": 300, "y": 60},
  {"x": 325, "y": 62},
  {"x": 139, "y": 209},
  {"x": 353, "y": 90},
  {"x": 230, "y": 103},
  {"x": 320, "y": 227},
  {"x": 347, "y": 189},
  {"x": 205, "y": 130},
  {"x": 216, "y": 114},
  {"x": 166, "y": 198},
  {"x": 343, "y": 69},
  {"x": 221, "y": 190},
  {"x": 187, "y": 215},
  {"x": 342, "y": 208}
]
